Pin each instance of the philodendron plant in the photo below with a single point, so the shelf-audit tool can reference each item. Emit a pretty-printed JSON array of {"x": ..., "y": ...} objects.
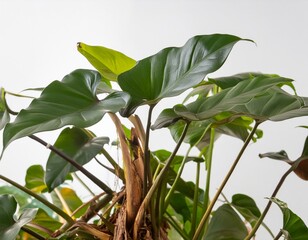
[{"x": 154, "y": 201}]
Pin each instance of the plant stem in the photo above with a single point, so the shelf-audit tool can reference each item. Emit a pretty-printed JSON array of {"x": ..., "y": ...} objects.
[
  {"x": 94, "y": 179},
  {"x": 32, "y": 233},
  {"x": 278, "y": 235},
  {"x": 209, "y": 168},
  {"x": 41, "y": 199},
  {"x": 147, "y": 178},
  {"x": 260, "y": 220},
  {"x": 83, "y": 184},
  {"x": 226, "y": 179},
  {"x": 118, "y": 170},
  {"x": 172, "y": 189},
  {"x": 196, "y": 199},
  {"x": 175, "y": 225},
  {"x": 63, "y": 202},
  {"x": 156, "y": 184}
]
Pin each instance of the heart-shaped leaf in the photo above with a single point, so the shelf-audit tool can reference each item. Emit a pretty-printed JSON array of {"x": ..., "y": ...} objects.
[
  {"x": 79, "y": 145},
  {"x": 108, "y": 62},
  {"x": 225, "y": 225},
  {"x": 9, "y": 227},
  {"x": 174, "y": 70},
  {"x": 293, "y": 225},
  {"x": 70, "y": 102}
]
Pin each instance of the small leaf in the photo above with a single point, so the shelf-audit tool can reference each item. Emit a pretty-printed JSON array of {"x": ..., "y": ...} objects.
[
  {"x": 108, "y": 62},
  {"x": 4, "y": 114},
  {"x": 281, "y": 155},
  {"x": 9, "y": 227},
  {"x": 226, "y": 225},
  {"x": 174, "y": 70},
  {"x": 247, "y": 207},
  {"x": 35, "y": 179},
  {"x": 79, "y": 145},
  {"x": 292, "y": 224},
  {"x": 70, "y": 102}
]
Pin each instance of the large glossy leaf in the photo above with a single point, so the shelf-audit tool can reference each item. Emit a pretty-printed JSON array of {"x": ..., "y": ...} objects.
[
  {"x": 226, "y": 225},
  {"x": 275, "y": 105},
  {"x": 9, "y": 224},
  {"x": 70, "y": 102},
  {"x": 35, "y": 179},
  {"x": 293, "y": 226},
  {"x": 108, "y": 62},
  {"x": 228, "y": 98},
  {"x": 247, "y": 207},
  {"x": 79, "y": 145},
  {"x": 174, "y": 70},
  {"x": 4, "y": 114}
]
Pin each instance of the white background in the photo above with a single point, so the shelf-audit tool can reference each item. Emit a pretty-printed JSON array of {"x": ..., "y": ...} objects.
[{"x": 38, "y": 45}]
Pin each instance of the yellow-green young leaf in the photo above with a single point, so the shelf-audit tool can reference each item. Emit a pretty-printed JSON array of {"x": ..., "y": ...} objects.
[{"x": 108, "y": 62}]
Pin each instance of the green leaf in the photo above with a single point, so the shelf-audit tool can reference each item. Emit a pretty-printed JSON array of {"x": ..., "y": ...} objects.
[
  {"x": 275, "y": 105},
  {"x": 281, "y": 155},
  {"x": 71, "y": 199},
  {"x": 163, "y": 155},
  {"x": 70, "y": 102},
  {"x": 4, "y": 114},
  {"x": 174, "y": 70},
  {"x": 226, "y": 225},
  {"x": 24, "y": 200},
  {"x": 79, "y": 145},
  {"x": 239, "y": 128},
  {"x": 108, "y": 62},
  {"x": 231, "y": 81},
  {"x": 9, "y": 227},
  {"x": 228, "y": 99},
  {"x": 247, "y": 207},
  {"x": 179, "y": 203},
  {"x": 35, "y": 179},
  {"x": 44, "y": 220},
  {"x": 292, "y": 224}
]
